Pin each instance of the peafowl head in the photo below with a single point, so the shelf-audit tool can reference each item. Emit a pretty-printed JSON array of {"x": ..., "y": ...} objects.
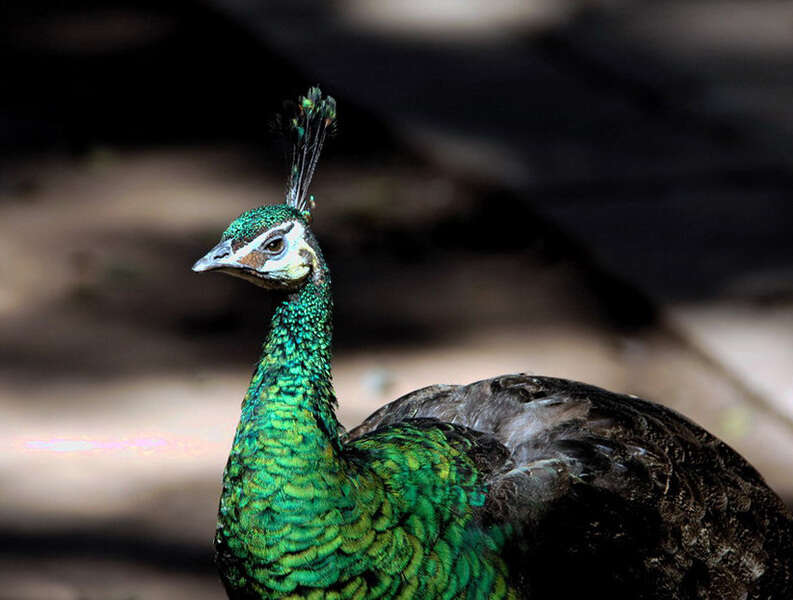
[{"x": 272, "y": 246}]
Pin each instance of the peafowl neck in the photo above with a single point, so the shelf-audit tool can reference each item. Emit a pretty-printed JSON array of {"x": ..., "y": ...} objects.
[
  {"x": 385, "y": 518},
  {"x": 290, "y": 399}
]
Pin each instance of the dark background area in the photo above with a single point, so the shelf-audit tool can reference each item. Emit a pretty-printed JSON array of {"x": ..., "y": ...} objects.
[{"x": 598, "y": 191}]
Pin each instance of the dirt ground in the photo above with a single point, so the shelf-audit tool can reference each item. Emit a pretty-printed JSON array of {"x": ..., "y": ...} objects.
[{"x": 122, "y": 371}]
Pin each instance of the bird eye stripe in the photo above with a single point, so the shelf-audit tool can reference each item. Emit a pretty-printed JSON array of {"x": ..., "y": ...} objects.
[
  {"x": 282, "y": 230},
  {"x": 259, "y": 243}
]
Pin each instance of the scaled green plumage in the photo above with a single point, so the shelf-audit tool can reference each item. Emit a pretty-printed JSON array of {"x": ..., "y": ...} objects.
[{"x": 303, "y": 516}]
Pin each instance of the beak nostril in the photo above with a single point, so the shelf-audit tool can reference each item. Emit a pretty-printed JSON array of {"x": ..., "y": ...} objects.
[{"x": 214, "y": 259}]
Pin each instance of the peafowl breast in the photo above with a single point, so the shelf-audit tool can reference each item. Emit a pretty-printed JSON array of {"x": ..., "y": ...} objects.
[{"x": 514, "y": 487}]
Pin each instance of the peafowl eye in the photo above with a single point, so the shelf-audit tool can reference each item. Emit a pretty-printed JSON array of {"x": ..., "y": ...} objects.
[{"x": 516, "y": 487}]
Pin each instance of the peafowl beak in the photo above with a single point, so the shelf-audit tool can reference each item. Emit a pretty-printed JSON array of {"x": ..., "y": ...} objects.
[{"x": 220, "y": 256}]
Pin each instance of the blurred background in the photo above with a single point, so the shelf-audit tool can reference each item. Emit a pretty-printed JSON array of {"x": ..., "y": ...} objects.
[{"x": 595, "y": 190}]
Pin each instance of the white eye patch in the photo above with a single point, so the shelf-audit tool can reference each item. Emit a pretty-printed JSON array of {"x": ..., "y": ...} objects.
[{"x": 291, "y": 263}]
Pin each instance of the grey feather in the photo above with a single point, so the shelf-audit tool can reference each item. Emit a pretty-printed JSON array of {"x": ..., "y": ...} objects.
[{"x": 588, "y": 475}]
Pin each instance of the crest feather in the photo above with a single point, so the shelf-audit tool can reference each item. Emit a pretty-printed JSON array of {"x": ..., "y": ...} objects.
[{"x": 314, "y": 119}]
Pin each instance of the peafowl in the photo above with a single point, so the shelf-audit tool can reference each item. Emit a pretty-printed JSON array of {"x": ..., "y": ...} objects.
[{"x": 513, "y": 487}]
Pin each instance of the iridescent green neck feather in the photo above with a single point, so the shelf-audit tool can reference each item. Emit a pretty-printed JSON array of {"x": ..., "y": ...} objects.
[
  {"x": 392, "y": 515},
  {"x": 293, "y": 375}
]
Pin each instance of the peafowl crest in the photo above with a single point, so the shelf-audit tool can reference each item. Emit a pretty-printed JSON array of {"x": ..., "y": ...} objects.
[{"x": 513, "y": 487}]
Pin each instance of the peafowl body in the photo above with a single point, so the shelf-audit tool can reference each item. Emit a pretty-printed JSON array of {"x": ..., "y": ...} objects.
[{"x": 514, "y": 487}]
